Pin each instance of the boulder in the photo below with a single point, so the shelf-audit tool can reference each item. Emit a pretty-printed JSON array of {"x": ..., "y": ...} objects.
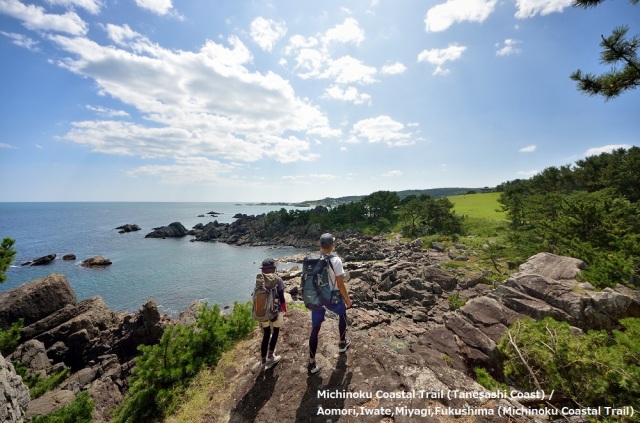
[
  {"x": 50, "y": 402},
  {"x": 41, "y": 261},
  {"x": 32, "y": 355},
  {"x": 174, "y": 230},
  {"x": 35, "y": 300},
  {"x": 14, "y": 395},
  {"x": 128, "y": 228},
  {"x": 96, "y": 261},
  {"x": 553, "y": 266},
  {"x": 68, "y": 257}
]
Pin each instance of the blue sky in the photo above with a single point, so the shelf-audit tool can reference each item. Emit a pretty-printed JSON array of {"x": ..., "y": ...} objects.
[{"x": 200, "y": 100}]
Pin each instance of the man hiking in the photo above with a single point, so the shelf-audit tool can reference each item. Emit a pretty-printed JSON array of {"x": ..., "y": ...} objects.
[{"x": 339, "y": 304}]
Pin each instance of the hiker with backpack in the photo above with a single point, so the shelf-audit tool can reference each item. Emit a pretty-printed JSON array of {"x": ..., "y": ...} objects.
[
  {"x": 323, "y": 289},
  {"x": 269, "y": 308}
]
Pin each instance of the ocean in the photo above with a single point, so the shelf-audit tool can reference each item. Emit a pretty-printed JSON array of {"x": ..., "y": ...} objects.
[{"x": 173, "y": 272}]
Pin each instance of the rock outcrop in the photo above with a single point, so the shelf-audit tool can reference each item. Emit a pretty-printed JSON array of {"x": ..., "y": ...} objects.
[
  {"x": 35, "y": 300},
  {"x": 41, "y": 261},
  {"x": 96, "y": 261},
  {"x": 95, "y": 343},
  {"x": 173, "y": 230},
  {"x": 128, "y": 228},
  {"x": 14, "y": 395}
]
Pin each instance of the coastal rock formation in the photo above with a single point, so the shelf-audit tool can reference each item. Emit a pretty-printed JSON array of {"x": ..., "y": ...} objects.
[
  {"x": 128, "y": 228},
  {"x": 35, "y": 300},
  {"x": 97, "y": 344},
  {"x": 14, "y": 395},
  {"x": 175, "y": 229},
  {"x": 41, "y": 261},
  {"x": 68, "y": 257},
  {"x": 96, "y": 261},
  {"x": 256, "y": 231}
]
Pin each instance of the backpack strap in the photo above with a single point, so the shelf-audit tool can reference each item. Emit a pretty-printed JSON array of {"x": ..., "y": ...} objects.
[{"x": 327, "y": 258}]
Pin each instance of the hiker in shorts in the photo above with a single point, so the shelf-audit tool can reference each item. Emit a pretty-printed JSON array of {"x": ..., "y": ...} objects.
[
  {"x": 340, "y": 302},
  {"x": 271, "y": 328}
]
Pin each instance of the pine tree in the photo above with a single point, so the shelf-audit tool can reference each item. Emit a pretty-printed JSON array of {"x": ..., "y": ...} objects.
[
  {"x": 618, "y": 51},
  {"x": 7, "y": 253}
]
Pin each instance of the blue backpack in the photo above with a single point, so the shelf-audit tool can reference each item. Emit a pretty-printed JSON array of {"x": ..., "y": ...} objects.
[{"x": 315, "y": 286}]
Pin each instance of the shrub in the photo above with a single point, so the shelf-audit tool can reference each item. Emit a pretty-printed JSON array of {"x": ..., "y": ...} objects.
[
  {"x": 597, "y": 368},
  {"x": 456, "y": 302},
  {"x": 487, "y": 381},
  {"x": 9, "y": 338},
  {"x": 36, "y": 383},
  {"x": 163, "y": 370},
  {"x": 78, "y": 411}
]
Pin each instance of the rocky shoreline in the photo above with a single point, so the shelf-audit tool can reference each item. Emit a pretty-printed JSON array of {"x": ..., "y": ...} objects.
[{"x": 402, "y": 293}]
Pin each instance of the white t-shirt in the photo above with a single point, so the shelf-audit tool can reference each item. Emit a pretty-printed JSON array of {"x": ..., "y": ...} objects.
[{"x": 336, "y": 269}]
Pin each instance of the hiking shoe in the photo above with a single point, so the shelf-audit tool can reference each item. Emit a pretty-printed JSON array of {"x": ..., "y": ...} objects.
[
  {"x": 313, "y": 368},
  {"x": 343, "y": 347},
  {"x": 271, "y": 361}
]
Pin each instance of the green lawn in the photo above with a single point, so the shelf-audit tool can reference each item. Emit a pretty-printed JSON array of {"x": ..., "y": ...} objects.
[{"x": 482, "y": 206}]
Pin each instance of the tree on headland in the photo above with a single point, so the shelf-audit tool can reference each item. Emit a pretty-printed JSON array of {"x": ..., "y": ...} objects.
[
  {"x": 617, "y": 49},
  {"x": 7, "y": 254}
]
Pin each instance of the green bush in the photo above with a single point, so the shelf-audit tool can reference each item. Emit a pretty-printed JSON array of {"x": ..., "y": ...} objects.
[
  {"x": 597, "y": 368},
  {"x": 78, "y": 411},
  {"x": 487, "y": 381},
  {"x": 456, "y": 302},
  {"x": 36, "y": 383},
  {"x": 7, "y": 254},
  {"x": 9, "y": 338},
  {"x": 163, "y": 371}
]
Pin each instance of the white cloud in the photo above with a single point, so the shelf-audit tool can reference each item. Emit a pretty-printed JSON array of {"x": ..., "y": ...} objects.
[
  {"x": 91, "y": 6},
  {"x": 8, "y": 146},
  {"x": 22, "y": 40},
  {"x": 442, "y": 16},
  {"x": 380, "y": 129},
  {"x": 309, "y": 63},
  {"x": 393, "y": 69},
  {"x": 350, "y": 94},
  {"x": 508, "y": 47},
  {"x": 203, "y": 103},
  {"x": 298, "y": 42},
  {"x": 528, "y": 149},
  {"x": 159, "y": 7},
  {"x": 121, "y": 35},
  {"x": 530, "y": 8},
  {"x": 439, "y": 57},
  {"x": 186, "y": 170},
  {"x": 107, "y": 112},
  {"x": 314, "y": 178},
  {"x": 349, "y": 70},
  {"x": 392, "y": 174},
  {"x": 266, "y": 32},
  {"x": 347, "y": 32},
  {"x": 606, "y": 149},
  {"x": 37, "y": 19}
]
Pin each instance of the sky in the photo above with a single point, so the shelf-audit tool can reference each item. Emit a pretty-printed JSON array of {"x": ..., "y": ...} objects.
[{"x": 200, "y": 100}]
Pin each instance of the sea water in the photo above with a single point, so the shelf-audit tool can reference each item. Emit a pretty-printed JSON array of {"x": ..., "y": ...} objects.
[{"x": 173, "y": 271}]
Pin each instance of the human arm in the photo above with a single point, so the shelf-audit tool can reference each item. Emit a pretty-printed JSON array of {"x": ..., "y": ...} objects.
[
  {"x": 281, "y": 297},
  {"x": 343, "y": 290}
]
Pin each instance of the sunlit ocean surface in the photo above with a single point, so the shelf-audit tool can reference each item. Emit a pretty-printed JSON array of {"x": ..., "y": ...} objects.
[{"x": 174, "y": 272}]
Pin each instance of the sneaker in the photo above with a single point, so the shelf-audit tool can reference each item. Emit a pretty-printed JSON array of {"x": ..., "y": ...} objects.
[
  {"x": 313, "y": 368},
  {"x": 343, "y": 347},
  {"x": 271, "y": 361}
]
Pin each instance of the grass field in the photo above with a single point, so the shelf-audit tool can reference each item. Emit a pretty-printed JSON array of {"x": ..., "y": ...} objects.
[{"x": 481, "y": 206}]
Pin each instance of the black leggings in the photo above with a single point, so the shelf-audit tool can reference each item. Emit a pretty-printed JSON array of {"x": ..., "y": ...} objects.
[
  {"x": 315, "y": 330},
  {"x": 266, "y": 333}
]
